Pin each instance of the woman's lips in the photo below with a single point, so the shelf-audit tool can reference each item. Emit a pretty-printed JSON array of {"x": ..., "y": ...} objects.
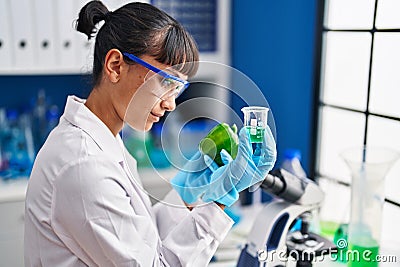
[{"x": 156, "y": 117}]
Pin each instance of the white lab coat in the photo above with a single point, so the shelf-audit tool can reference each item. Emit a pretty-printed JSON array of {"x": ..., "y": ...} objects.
[{"x": 85, "y": 206}]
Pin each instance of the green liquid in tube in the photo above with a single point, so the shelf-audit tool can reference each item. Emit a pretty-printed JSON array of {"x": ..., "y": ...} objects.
[
  {"x": 328, "y": 228},
  {"x": 341, "y": 234},
  {"x": 256, "y": 134},
  {"x": 367, "y": 255}
]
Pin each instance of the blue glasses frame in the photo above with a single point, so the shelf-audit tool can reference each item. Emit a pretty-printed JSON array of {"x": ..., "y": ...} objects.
[{"x": 157, "y": 70}]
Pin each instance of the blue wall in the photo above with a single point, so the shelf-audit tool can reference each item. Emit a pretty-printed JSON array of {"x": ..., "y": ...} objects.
[
  {"x": 18, "y": 91},
  {"x": 273, "y": 43}
]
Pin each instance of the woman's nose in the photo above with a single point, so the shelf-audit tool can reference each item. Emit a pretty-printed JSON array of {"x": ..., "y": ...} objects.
[{"x": 169, "y": 103}]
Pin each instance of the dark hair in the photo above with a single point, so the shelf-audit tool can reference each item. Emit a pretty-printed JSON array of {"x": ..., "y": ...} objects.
[{"x": 139, "y": 29}]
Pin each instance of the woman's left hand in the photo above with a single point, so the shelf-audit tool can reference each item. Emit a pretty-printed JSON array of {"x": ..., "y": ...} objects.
[{"x": 244, "y": 171}]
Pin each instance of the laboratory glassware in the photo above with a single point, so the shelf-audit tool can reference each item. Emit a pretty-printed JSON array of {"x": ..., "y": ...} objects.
[
  {"x": 255, "y": 121},
  {"x": 368, "y": 166}
]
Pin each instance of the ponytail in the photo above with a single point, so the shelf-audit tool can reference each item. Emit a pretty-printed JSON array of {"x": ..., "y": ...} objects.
[{"x": 91, "y": 14}]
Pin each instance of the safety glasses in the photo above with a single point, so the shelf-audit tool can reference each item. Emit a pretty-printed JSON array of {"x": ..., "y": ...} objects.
[{"x": 172, "y": 86}]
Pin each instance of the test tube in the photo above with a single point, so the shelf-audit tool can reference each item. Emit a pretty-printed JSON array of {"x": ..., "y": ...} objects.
[{"x": 255, "y": 122}]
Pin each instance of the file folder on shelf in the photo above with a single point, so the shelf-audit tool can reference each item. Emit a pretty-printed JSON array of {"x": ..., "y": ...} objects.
[
  {"x": 6, "y": 61},
  {"x": 22, "y": 33},
  {"x": 65, "y": 34},
  {"x": 44, "y": 48}
]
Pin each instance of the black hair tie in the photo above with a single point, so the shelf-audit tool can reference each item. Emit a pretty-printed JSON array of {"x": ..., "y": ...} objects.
[{"x": 107, "y": 16}]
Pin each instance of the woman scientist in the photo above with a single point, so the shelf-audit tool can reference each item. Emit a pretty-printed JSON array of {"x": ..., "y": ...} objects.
[{"x": 85, "y": 205}]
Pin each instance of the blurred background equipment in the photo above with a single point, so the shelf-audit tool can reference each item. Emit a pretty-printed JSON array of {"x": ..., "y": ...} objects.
[{"x": 22, "y": 133}]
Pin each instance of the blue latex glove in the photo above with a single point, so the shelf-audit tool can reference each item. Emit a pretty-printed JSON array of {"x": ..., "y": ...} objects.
[
  {"x": 244, "y": 171},
  {"x": 194, "y": 178}
]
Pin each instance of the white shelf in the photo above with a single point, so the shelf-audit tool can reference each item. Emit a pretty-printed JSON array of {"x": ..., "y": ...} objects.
[
  {"x": 13, "y": 190},
  {"x": 34, "y": 71}
]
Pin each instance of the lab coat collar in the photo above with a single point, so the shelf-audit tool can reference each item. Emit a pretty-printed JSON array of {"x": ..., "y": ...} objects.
[{"x": 79, "y": 115}]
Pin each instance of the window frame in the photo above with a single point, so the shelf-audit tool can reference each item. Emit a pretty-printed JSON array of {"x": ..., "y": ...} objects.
[{"x": 321, "y": 30}]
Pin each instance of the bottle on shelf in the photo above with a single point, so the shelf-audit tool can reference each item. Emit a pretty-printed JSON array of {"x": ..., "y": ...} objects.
[
  {"x": 52, "y": 118},
  {"x": 18, "y": 150},
  {"x": 45, "y": 117},
  {"x": 3, "y": 162},
  {"x": 39, "y": 107}
]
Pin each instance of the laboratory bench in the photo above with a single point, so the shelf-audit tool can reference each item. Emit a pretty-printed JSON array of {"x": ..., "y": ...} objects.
[{"x": 12, "y": 204}]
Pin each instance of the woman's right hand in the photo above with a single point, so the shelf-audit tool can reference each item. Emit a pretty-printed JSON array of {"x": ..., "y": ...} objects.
[{"x": 193, "y": 180}]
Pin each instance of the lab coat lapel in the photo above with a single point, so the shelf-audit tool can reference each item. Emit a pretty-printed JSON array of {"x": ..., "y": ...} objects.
[
  {"x": 130, "y": 167},
  {"x": 144, "y": 202},
  {"x": 80, "y": 116}
]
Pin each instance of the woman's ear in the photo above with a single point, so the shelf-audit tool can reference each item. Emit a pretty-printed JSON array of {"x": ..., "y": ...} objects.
[{"x": 112, "y": 65}]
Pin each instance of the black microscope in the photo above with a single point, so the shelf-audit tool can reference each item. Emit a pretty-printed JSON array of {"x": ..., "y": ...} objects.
[{"x": 272, "y": 241}]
